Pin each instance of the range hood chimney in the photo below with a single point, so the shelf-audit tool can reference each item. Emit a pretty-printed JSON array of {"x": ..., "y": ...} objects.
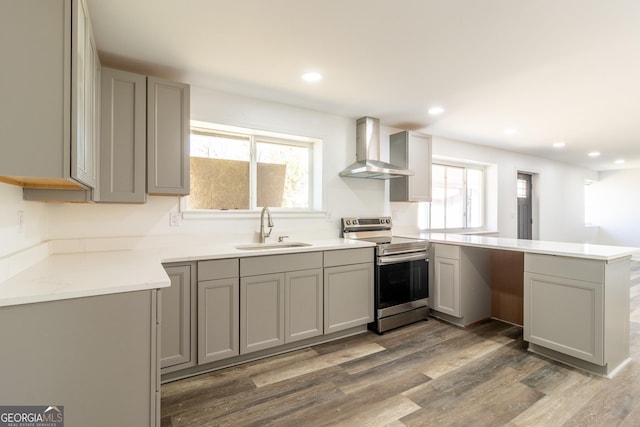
[{"x": 368, "y": 164}]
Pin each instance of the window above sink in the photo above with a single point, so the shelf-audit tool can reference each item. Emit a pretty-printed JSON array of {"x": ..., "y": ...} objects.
[{"x": 241, "y": 170}]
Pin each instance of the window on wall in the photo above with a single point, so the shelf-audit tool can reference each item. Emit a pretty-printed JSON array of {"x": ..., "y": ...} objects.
[
  {"x": 235, "y": 169},
  {"x": 588, "y": 203},
  {"x": 458, "y": 197}
]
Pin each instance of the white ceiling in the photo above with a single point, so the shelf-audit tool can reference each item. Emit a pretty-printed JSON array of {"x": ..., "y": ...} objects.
[{"x": 556, "y": 70}]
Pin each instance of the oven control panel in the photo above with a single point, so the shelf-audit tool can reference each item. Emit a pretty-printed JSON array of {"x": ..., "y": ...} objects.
[{"x": 358, "y": 223}]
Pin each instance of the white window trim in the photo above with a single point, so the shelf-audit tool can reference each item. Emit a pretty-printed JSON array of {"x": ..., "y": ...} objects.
[
  {"x": 316, "y": 187},
  {"x": 465, "y": 165}
]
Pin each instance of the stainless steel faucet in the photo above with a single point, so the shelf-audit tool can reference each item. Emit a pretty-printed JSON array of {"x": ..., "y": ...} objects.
[{"x": 263, "y": 235}]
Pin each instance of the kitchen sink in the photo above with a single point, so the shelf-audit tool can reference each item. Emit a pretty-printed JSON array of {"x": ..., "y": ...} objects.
[{"x": 275, "y": 245}]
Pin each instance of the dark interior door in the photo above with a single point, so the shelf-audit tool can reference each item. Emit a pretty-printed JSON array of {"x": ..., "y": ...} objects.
[{"x": 525, "y": 219}]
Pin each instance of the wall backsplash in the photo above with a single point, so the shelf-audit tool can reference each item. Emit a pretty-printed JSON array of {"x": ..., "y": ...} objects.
[
  {"x": 13, "y": 236},
  {"x": 560, "y": 210}
]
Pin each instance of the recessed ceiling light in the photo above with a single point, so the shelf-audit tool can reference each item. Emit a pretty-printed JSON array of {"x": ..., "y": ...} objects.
[
  {"x": 435, "y": 110},
  {"x": 312, "y": 76},
  {"x": 510, "y": 131},
  {"x": 619, "y": 161},
  {"x": 559, "y": 144},
  {"x": 594, "y": 154}
]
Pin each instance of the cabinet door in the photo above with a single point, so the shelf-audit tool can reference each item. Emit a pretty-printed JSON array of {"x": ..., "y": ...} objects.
[
  {"x": 261, "y": 312},
  {"x": 123, "y": 137},
  {"x": 446, "y": 295},
  {"x": 348, "y": 296},
  {"x": 35, "y": 101},
  {"x": 420, "y": 164},
  {"x": 303, "y": 302},
  {"x": 565, "y": 315},
  {"x": 218, "y": 319},
  {"x": 99, "y": 354},
  {"x": 177, "y": 320},
  {"x": 83, "y": 142},
  {"x": 168, "y": 129},
  {"x": 412, "y": 151}
]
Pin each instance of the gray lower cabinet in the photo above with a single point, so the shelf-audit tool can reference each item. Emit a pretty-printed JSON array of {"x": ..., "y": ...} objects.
[
  {"x": 348, "y": 289},
  {"x": 280, "y": 300},
  {"x": 446, "y": 298},
  {"x": 303, "y": 304},
  {"x": 461, "y": 288},
  {"x": 218, "y": 310},
  {"x": 564, "y": 306},
  {"x": 262, "y": 312},
  {"x": 86, "y": 354},
  {"x": 178, "y": 339}
]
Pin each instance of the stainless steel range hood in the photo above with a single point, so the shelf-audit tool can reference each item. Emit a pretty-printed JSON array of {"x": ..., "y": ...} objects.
[{"x": 368, "y": 164}]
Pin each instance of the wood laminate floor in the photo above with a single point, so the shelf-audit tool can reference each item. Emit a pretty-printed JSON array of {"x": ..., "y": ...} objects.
[{"x": 425, "y": 374}]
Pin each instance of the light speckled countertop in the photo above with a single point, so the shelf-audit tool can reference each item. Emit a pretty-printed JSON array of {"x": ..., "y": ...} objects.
[
  {"x": 90, "y": 273},
  {"x": 574, "y": 250}
]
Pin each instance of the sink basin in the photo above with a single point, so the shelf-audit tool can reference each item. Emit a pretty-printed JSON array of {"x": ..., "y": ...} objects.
[{"x": 275, "y": 245}]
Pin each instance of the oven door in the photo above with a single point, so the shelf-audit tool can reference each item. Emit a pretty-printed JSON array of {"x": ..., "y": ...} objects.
[{"x": 402, "y": 283}]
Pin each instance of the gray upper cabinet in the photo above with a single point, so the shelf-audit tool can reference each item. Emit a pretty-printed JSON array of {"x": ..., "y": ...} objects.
[
  {"x": 167, "y": 137},
  {"x": 123, "y": 137},
  {"x": 144, "y": 137},
  {"x": 413, "y": 151},
  {"x": 84, "y": 98},
  {"x": 49, "y": 130}
]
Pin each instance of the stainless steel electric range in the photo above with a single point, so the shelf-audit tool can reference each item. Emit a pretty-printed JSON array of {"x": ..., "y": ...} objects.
[{"x": 401, "y": 272}]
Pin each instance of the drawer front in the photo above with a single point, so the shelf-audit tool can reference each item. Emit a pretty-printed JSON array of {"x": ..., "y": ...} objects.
[
  {"x": 348, "y": 256},
  {"x": 253, "y": 266},
  {"x": 217, "y": 269},
  {"x": 570, "y": 268},
  {"x": 447, "y": 251}
]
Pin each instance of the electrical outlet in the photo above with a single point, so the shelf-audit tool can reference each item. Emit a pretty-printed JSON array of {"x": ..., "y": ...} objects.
[
  {"x": 20, "y": 222},
  {"x": 174, "y": 219}
]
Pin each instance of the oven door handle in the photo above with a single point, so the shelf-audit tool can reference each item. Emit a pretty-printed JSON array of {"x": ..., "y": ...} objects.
[{"x": 396, "y": 259}]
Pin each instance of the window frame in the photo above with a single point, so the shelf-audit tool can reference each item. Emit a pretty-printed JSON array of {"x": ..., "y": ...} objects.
[
  {"x": 465, "y": 214},
  {"x": 254, "y": 137},
  {"x": 588, "y": 190}
]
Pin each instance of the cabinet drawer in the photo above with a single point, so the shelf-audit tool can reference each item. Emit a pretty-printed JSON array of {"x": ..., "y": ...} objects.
[
  {"x": 347, "y": 257},
  {"x": 447, "y": 251},
  {"x": 217, "y": 269},
  {"x": 254, "y": 266},
  {"x": 570, "y": 268}
]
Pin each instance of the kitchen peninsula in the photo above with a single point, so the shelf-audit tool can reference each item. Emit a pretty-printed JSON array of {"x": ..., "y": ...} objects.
[
  {"x": 572, "y": 299},
  {"x": 88, "y": 310}
]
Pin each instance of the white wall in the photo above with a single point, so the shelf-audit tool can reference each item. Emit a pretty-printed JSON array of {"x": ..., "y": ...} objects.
[
  {"x": 560, "y": 213},
  {"x": 559, "y": 192},
  {"x": 342, "y": 196},
  {"x": 14, "y": 238},
  {"x": 617, "y": 211}
]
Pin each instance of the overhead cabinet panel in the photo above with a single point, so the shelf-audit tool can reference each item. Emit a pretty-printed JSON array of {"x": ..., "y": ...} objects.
[
  {"x": 167, "y": 137},
  {"x": 48, "y": 99},
  {"x": 123, "y": 137},
  {"x": 411, "y": 150}
]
